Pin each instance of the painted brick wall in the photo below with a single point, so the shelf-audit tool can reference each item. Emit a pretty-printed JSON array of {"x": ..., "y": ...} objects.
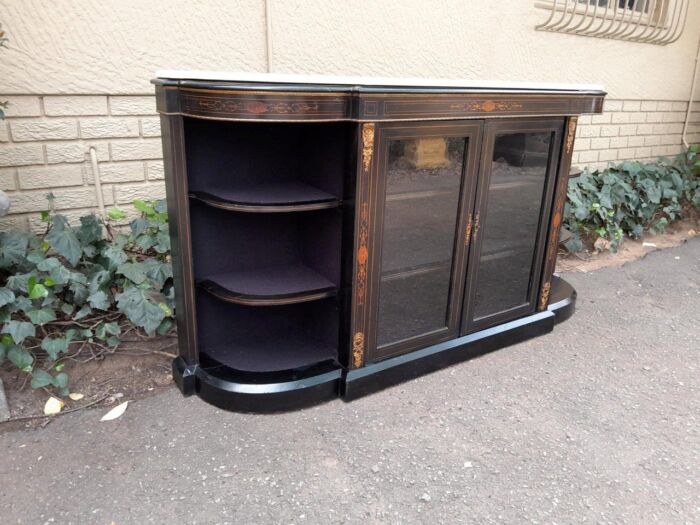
[
  {"x": 44, "y": 145},
  {"x": 45, "y": 139},
  {"x": 634, "y": 130}
]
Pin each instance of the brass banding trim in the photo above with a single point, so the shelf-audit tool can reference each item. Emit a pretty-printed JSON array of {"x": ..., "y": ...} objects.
[
  {"x": 306, "y": 120},
  {"x": 271, "y": 93}
]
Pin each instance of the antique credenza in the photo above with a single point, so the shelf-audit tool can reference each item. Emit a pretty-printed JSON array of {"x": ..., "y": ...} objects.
[{"x": 335, "y": 236}]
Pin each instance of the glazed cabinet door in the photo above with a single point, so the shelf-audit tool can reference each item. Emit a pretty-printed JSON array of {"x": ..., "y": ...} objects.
[
  {"x": 423, "y": 185},
  {"x": 514, "y": 198}
]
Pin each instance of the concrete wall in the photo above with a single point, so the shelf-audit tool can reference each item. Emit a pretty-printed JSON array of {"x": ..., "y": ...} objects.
[{"x": 77, "y": 74}]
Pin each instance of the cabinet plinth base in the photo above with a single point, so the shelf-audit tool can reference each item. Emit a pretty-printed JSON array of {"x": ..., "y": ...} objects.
[
  {"x": 258, "y": 392},
  {"x": 278, "y": 393}
]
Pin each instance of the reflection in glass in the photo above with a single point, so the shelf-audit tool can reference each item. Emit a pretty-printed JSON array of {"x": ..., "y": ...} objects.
[
  {"x": 509, "y": 230},
  {"x": 424, "y": 176}
]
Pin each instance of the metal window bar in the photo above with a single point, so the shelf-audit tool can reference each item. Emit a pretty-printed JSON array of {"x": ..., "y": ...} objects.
[{"x": 659, "y": 22}]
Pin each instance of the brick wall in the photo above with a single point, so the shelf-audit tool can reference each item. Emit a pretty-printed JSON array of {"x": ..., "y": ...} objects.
[
  {"x": 45, "y": 139},
  {"x": 633, "y": 130},
  {"x": 44, "y": 145}
]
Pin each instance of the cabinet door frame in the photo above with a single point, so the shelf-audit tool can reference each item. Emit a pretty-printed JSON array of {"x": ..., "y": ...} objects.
[
  {"x": 472, "y": 131},
  {"x": 492, "y": 129}
]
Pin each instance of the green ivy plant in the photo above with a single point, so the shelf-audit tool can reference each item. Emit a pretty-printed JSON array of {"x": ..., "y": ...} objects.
[
  {"x": 630, "y": 199},
  {"x": 82, "y": 286}
]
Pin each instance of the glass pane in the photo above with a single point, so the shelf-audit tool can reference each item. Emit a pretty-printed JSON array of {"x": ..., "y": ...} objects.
[
  {"x": 424, "y": 176},
  {"x": 509, "y": 230}
]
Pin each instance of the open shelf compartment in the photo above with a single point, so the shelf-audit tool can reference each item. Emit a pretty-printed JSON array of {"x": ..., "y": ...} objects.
[
  {"x": 266, "y": 259},
  {"x": 294, "y": 283},
  {"x": 266, "y": 167},
  {"x": 268, "y": 340}
]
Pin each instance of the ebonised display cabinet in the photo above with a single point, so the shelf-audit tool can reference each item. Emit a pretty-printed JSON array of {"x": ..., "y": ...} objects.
[{"x": 333, "y": 237}]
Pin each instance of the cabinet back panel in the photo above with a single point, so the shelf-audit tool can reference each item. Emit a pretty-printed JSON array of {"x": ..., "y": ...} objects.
[
  {"x": 224, "y": 241},
  {"x": 226, "y": 155}
]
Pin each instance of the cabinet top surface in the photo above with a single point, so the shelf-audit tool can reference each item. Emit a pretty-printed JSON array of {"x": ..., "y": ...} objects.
[{"x": 344, "y": 83}]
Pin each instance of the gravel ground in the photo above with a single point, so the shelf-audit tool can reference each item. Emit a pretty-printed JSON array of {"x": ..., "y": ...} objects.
[{"x": 597, "y": 422}]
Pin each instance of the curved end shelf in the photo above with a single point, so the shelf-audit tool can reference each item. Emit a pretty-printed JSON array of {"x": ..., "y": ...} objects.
[
  {"x": 284, "y": 197},
  {"x": 269, "y": 286},
  {"x": 260, "y": 392}
]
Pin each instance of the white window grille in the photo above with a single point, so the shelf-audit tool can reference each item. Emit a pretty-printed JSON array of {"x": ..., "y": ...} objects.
[{"x": 658, "y": 22}]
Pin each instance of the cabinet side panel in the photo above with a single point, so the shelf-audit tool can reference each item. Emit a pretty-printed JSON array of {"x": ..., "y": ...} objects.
[
  {"x": 562, "y": 184},
  {"x": 180, "y": 240}
]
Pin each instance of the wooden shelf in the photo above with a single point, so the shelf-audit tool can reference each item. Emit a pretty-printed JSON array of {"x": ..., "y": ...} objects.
[
  {"x": 274, "y": 197},
  {"x": 269, "y": 286}
]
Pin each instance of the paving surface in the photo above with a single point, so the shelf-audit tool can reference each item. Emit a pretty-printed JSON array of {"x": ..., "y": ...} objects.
[{"x": 598, "y": 422}]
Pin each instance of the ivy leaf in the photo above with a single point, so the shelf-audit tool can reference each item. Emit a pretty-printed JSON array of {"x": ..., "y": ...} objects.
[
  {"x": 36, "y": 256},
  {"x": 115, "y": 214},
  {"x": 13, "y": 247},
  {"x": 104, "y": 330},
  {"x": 19, "y": 330},
  {"x": 138, "y": 227},
  {"x": 134, "y": 303},
  {"x": 112, "y": 328},
  {"x": 145, "y": 241},
  {"x": 6, "y": 296},
  {"x": 60, "y": 274},
  {"x": 114, "y": 255},
  {"x": 166, "y": 309},
  {"x": 48, "y": 264},
  {"x": 64, "y": 241},
  {"x": 19, "y": 282},
  {"x": 21, "y": 358},
  {"x": 80, "y": 293},
  {"x": 83, "y": 312},
  {"x": 163, "y": 239},
  {"x": 54, "y": 346},
  {"x": 41, "y": 317},
  {"x": 98, "y": 280},
  {"x": 23, "y": 303},
  {"x": 90, "y": 230},
  {"x": 41, "y": 378},
  {"x": 36, "y": 290},
  {"x": 60, "y": 381},
  {"x": 165, "y": 326},
  {"x": 144, "y": 207},
  {"x": 158, "y": 271},
  {"x": 67, "y": 308},
  {"x": 99, "y": 300},
  {"x": 136, "y": 272}
]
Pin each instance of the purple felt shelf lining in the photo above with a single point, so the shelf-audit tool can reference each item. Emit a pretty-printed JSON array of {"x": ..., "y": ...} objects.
[
  {"x": 272, "y": 281},
  {"x": 268, "y": 355}
]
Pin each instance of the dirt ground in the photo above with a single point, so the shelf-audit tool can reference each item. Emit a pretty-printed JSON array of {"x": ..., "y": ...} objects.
[
  {"x": 630, "y": 250},
  {"x": 138, "y": 369}
]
